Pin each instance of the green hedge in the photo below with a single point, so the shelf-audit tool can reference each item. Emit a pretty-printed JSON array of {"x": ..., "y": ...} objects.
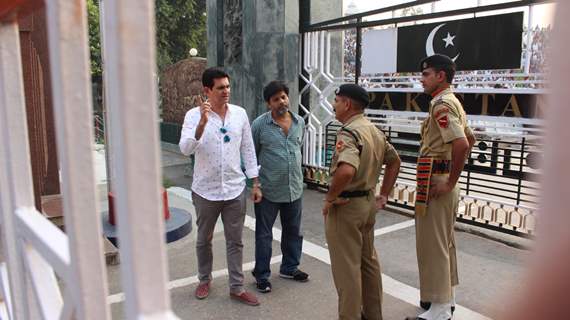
[{"x": 170, "y": 132}]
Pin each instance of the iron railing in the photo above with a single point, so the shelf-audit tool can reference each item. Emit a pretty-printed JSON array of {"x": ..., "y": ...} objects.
[{"x": 499, "y": 187}]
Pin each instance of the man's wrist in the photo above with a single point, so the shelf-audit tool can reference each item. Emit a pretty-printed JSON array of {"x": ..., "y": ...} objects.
[{"x": 329, "y": 200}]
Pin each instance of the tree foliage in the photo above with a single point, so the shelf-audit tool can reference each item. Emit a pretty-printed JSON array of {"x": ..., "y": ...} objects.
[
  {"x": 180, "y": 26},
  {"x": 94, "y": 43}
]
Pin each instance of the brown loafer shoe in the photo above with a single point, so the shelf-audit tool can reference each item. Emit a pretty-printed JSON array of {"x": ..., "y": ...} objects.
[
  {"x": 245, "y": 297},
  {"x": 203, "y": 290}
]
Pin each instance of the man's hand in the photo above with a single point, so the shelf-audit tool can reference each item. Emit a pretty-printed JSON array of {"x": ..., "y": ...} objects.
[
  {"x": 381, "y": 201},
  {"x": 328, "y": 204},
  {"x": 205, "y": 107},
  {"x": 256, "y": 195},
  {"x": 439, "y": 188}
]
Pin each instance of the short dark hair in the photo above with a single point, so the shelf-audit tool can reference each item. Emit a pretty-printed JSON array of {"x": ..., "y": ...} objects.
[
  {"x": 440, "y": 62},
  {"x": 358, "y": 103},
  {"x": 449, "y": 72},
  {"x": 274, "y": 87},
  {"x": 213, "y": 73}
]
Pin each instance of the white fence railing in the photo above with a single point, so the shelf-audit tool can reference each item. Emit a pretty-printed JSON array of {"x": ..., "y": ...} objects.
[
  {"x": 318, "y": 93},
  {"x": 49, "y": 274}
]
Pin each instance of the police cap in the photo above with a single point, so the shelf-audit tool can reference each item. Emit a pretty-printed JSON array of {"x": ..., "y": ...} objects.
[
  {"x": 436, "y": 61},
  {"x": 353, "y": 91}
]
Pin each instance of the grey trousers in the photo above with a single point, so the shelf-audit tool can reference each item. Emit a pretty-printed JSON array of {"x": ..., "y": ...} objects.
[{"x": 233, "y": 216}]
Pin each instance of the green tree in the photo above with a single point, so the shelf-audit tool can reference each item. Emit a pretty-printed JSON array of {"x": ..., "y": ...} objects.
[
  {"x": 180, "y": 25},
  {"x": 94, "y": 43}
]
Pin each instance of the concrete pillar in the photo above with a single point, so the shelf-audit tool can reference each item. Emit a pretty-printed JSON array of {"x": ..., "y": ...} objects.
[{"x": 255, "y": 41}]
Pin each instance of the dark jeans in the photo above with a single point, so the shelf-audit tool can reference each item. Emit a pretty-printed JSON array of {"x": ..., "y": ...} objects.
[{"x": 291, "y": 238}]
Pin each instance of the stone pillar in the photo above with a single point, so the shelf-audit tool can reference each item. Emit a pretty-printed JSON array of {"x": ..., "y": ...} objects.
[{"x": 255, "y": 41}]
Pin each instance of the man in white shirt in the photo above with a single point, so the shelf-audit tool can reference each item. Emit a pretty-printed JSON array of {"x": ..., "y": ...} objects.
[{"x": 219, "y": 135}]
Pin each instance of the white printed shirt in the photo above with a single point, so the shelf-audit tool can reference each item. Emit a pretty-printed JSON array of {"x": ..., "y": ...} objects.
[{"x": 218, "y": 173}]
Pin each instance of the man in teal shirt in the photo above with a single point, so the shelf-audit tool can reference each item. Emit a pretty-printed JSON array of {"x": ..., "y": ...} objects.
[{"x": 278, "y": 137}]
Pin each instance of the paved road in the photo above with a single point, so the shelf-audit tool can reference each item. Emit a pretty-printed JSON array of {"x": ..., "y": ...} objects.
[{"x": 488, "y": 269}]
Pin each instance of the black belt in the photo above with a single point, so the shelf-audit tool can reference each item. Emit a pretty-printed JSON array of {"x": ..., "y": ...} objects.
[
  {"x": 441, "y": 166},
  {"x": 354, "y": 194}
]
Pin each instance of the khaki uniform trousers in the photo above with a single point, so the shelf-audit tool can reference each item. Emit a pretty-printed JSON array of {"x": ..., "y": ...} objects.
[
  {"x": 355, "y": 267},
  {"x": 435, "y": 245}
]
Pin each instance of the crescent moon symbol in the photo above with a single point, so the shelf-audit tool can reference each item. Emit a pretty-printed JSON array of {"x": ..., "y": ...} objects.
[{"x": 429, "y": 42}]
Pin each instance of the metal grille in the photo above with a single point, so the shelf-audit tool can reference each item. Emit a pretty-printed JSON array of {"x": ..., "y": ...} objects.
[{"x": 499, "y": 187}]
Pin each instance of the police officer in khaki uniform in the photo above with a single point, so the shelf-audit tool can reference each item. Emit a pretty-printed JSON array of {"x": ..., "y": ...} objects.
[
  {"x": 350, "y": 205},
  {"x": 445, "y": 144}
]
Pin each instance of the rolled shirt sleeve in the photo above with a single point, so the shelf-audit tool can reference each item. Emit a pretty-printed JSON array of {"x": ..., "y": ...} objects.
[
  {"x": 448, "y": 122},
  {"x": 469, "y": 132},
  {"x": 247, "y": 150},
  {"x": 347, "y": 150},
  {"x": 188, "y": 143},
  {"x": 390, "y": 153}
]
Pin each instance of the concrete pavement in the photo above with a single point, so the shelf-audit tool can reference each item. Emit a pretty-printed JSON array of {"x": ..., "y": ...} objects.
[{"x": 488, "y": 270}]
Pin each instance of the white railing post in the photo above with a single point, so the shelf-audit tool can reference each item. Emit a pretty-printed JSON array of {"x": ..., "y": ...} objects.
[
  {"x": 529, "y": 38},
  {"x": 132, "y": 91},
  {"x": 16, "y": 177},
  {"x": 71, "y": 82}
]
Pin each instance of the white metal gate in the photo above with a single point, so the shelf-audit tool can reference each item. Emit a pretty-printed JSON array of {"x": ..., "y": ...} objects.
[
  {"x": 50, "y": 274},
  {"x": 320, "y": 81}
]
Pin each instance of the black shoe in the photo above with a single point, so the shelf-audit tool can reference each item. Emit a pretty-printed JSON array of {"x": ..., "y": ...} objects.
[
  {"x": 425, "y": 305},
  {"x": 297, "y": 275},
  {"x": 263, "y": 286}
]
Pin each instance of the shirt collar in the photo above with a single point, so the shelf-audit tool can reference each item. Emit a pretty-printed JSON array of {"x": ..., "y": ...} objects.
[
  {"x": 269, "y": 118},
  {"x": 442, "y": 92},
  {"x": 354, "y": 118}
]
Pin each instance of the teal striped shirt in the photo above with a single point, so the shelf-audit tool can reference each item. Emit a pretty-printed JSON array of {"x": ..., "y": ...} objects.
[{"x": 279, "y": 156}]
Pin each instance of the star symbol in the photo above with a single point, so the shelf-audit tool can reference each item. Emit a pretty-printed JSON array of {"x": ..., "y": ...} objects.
[{"x": 449, "y": 40}]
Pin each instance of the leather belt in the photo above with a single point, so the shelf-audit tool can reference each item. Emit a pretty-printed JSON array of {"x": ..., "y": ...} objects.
[
  {"x": 354, "y": 194},
  {"x": 441, "y": 166},
  {"x": 438, "y": 166}
]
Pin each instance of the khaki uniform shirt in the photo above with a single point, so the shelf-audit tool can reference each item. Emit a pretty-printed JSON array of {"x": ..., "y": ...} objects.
[
  {"x": 446, "y": 122},
  {"x": 367, "y": 150}
]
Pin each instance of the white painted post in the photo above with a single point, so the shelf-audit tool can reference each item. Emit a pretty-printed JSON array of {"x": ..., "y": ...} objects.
[
  {"x": 529, "y": 38},
  {"x": 43, "y": 284},
  {"x": 16, "y": 178},
  {"x": 71, "y": 82},
  {"x": 132, "y": 92},
  {"x": 108, "y": 155}
]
